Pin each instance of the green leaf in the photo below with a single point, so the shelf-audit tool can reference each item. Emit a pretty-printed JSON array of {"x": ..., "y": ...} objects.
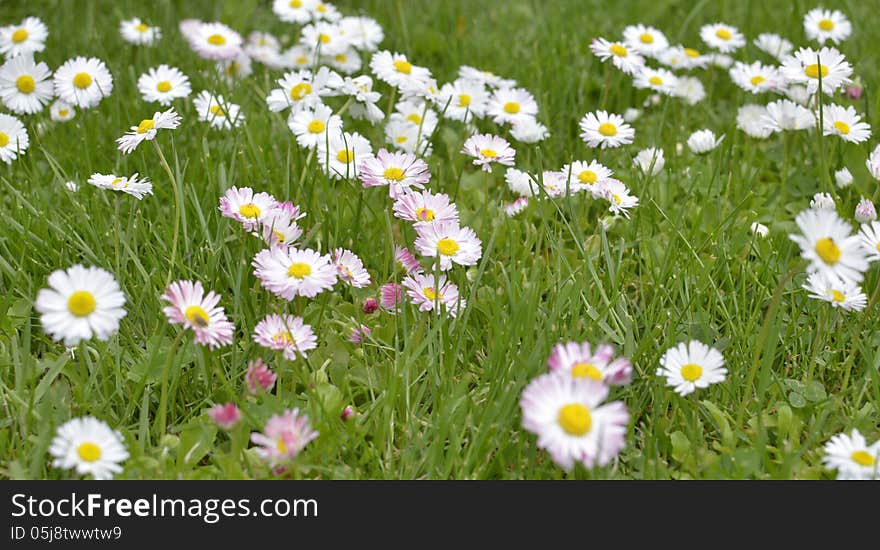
[
  {"x": 681, "y": 446},
  {"x": 195, "y": 444},
  {"x": 797, "y": 400}
]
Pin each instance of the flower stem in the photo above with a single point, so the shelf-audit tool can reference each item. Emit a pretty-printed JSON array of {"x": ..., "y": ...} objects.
[{"x": 178, "y": 213}]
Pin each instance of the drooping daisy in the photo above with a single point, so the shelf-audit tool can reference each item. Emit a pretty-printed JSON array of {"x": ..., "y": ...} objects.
[
  {"x": 89, "y": 446},
  {"x": 822, "y": 25},
  {"x": 350, "y": 268},
  {"x": 721, "y": 37},
  {"x": 659, "y": 80},
  {"x": 618, "y": 196},
  {"x": 292, "y": 272},
  {"x": 571, "y": 421},
  {"x": 603, "y": 129},
  {"x": 60, "y": 111},
  {"x": 226, "y": 415},
  {"x": 703, "y": 141},
  {"x": 244, "y": 206},
  {"x": 395, "y": 69},
  {"x": 691, "y": 365},
  {"x": 852, "y": 457},
  {"x": 783, "y": 114},
  {"x": 650, "y": 161},
  {"x": 28, "y": 37},
  {"x": 826, "y": 242},
  {"x": 285, "y": 435},
  {"x": 756, "y": 77},
  {"x": 449, "y": 243},
  {"x": 621, "y": 55},
  {"x": 212, "y": 108},
  {"x": 83, "y": 82},
  {"x": 774, "y": 45},
  {"x": 846, "y": 295},
  {"x": 487, "y": 149},
  {"x": 215, "y": 40},
  {"x": 522, "y": 183},
  {"x": 197, "y": 311},
  {"x": 311, "y": 126},
  {"x": 25, "y": 87},
  {"x": 645, "y": 40},
  {"x": 390, "y": 296},
  {"x": 579, "y": 360},
  {"x": 129, "y": 185},
  {"x": 147, "y": 129},
  {"x": 400, "y": 171},
  {"x": 429, "y": 292},
  {"x": 463, "y": 100},
  {"x": 806, "y": 65},
  {"x": 341, "y": 156},
  {"x": 164, "y": 84},
  {"x": 136, "y": 31},
  {"x": 425, "y": 207},
  {"x": 870, "y": 240},
  {"x": 293, "y": 11},
  {"x": 287, "y": 334},
  {"x": 80, "y": 303},
  {"x": 690, "y": 89},
  {"x": 751, "y": 119},
  {"x": 511, "y": 105},
  {"x": 844, "y": 122},
  {"x": 516, "y": 206},
  {"x": 259, "y": 377},
  {"x": 407, "y": 260},
  {"x": 14, "y": 139},
  {"x": 279, "y": 227},
  {"x": 589, "y": 176},
  {"x": 529, "y": 130}
]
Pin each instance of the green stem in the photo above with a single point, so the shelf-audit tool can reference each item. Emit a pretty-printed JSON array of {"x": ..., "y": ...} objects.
[
  {"x": 178, "y": 212},
  {"x": 163, "y": 396}
]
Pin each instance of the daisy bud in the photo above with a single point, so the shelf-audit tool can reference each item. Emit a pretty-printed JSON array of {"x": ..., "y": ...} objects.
[
  {"x": 865, "y": 211},
  {"x": 759, "y": 229},
  {"x": 71, "y": 186},
  {"x": 843, "y": 177},
  {"x": 631, "y": 114},
  {"x": 358, "y": 334},
  {"x": 822, "y": 201},
  {"x": 259, "y": 377},
  {"x": 392, "y": 294},
  {"x": 407, "y": 260},
  {"x": 370, "y": 306},
  {"x": 226, "y": 416},
  {"x": 854, "y": 92},
  {"x": 347, "y": 413},
  {"x": 873, "y": 163}
]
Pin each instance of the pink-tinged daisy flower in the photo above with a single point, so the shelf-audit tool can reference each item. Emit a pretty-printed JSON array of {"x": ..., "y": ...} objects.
[
  {"x": 852, "y": 457},
  {"x": 358, "y": 334},
  {"x": 428, "y": 291},
  {"x": 259, "y": 377},
  {"x": 190, "y": 306},
  {"x": 579, "y": 360},
  {"x": 511, "y": 105},
  {"x": 350, "y": 268},
  {"x": 391, "y": 294},
  {"x": 448, "y": 242},
  {"x": 226, "y": 416},
  {"x": 214, "y": 41},
  {"x": 292, "y": 272},
  {"x": 399, "y": 171},
  {"x": 425, "y": 207},
  {"x": 590, "y": 176},
  {"x": 247, "y": 207},
  {"x": 623, "y": 57},
  {"x": 691, "y": 365},
  {"x": 147, "y": 129},
  {"x": 516, "y": 206},
  {"x": 486, "y": 149},
  {"x": 826, "y": 242},
  {"x": 406, "y": 259},
  {"x": 603, "y": 129},
  {"x": 571, "y": 422},
  {"x": 287, "y": 334},
  {"x": 284, "y": 436},
  {"x": 279, "y": 225}
]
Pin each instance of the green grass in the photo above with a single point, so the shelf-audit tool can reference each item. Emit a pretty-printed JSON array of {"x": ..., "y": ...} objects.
[{"x": 438, "y": 397}]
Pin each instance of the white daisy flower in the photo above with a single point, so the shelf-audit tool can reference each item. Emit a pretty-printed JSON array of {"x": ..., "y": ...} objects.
[
  {"x": 690, "y": 89},
  {"x": 721, "y": 60},
  {"x": 449, "y": 243},
  {"x": 823, "y": 201},
  {"x": 463, "y": 100},
  {"x": 293, "y": 11},
  {"x": 852, "y": 457},
  {"x": 325, "y": 38},
  {"x": 147, "y": 129},
  {"x": 60, "y": 111},
  {"x": 297, "y": 57},
  {"x": 246, "y": 207},
  {"x": 844, "y": 122},
  {"x": 406, "y": 136},
  {"x": 136, "y": 31},
  {"x": 341, "y": 156},
  {"x": 759, "y": 229},
  {"x": 25, "y": 87},
  {"x": 774, "y": 45},
  {"x": 529, "y": 130},
  {"x": 347, "y": 62},
  {"x": 236, "y": 68},
  {"x": 324, "y": 11},
  {"x": 659, "y": 80},
  {"x": 214, "y": 109},
  {"x": 843, "y": 177},
  {"x": 624, "y": 58},
  {"x": 487, "y": 149},
  {"x": 28, "y": 37},
  {"x": 822, "y": 25},
  {"x": 396, "y": 70},
  {"x": 804, "y": 68},
  {"x": 511, "y": 105},
  {"x": 618, "y": 196},
  {"x": 590, "y": 176},
  {"x": 363, "y": 33},
  {"x": 603, "y": 129},
  {"x": 164, "y": 84},
  {"x": 691, "y": 365},
  {"x": 873, "y": 163},
  {"x": 79, "y": 304},
  {"x": 756, "y": 77},
  {"x": 291, "y": 272},
  {"x": 90, "y": 446},
  {"x": 303, "y": 90},
  {"x": 360, "y": 89},
  {"x": 650, "y": 161},
  {"x": 486, "y": 78},
  {"x": 417, "y": 113},
  {"x": 521, "y": 183},
  {"x": 869, "y": 236},
  {"x": 645, "y": 40},
  {"x": 751, "y": 119},
  {"x": 826, "y": 242},
  {"x": 703, "y": 141},
  {"x": 215, "y": 41},
  {"x": 846, "y": 295},
  {"x": 13, "y": 138},
  {"x": 679, "y": 57},
  {"x": 721, "y": 37},
  {"x": 129, "y": 185},
  {"x": 311, "y": 126},
  {"x": 83, "y": 82},
  {"x": 783, "y": 114}
]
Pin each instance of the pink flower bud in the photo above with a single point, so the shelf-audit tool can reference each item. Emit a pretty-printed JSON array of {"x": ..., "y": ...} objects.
[{"x": 226, "y": 416}]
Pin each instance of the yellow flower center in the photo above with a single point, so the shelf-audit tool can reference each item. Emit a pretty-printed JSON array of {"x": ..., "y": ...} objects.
[
  {"x": 116, "y": 181},
  {"x": 197, "y": 316},
  {"x": 690, "y": 52},
  {"x": 296, "y": 3},
  {"x": 324, "y": 38},
  {"x": 430, "y": 293},
  {"x": 575, "y": 419},
  {"x": 164, "y": 86},
  {"x": 425, "y": 214},
  {"x": 723, "y": 34},
  {"x": 283, "y": 337},
  {"x": 464, "y": 100},
  {"x": 489, "y": 153},
  {"x": 299, "y": 270},
  {"x": 607, "y": 129},
  {"x": 63, "y": 113},
  {"x": 511, "y": 107},
  {"x": 586, "y": 370},
  {"x": 217, "y": 39},
  {"x": 81, "y": 303},
  {"x": 826, "y": 24},
  {"x": 82, "y": 80},
  {"x": 812, "y": 71},
  {"x": 340, "y": 58},
  {"x": 25, "y": 84},
  {"x": 400, "y": 139},
  {"x": 302, "y": 60},
  {"x": 646, "y": 38},
  {"x": 88, "y": 451},
  {"x": 616, "y": 197},
  {"x": 863, "y": 458},
  {"x": 447, "y": 247},
  {"x": 402, "y": 66},
  {"x": 393, "y": 173},
  {"x": 346, "y": 156},
  {"x": 316, "y": 126},
  {"x": 838, "y": 296},
  {"x": 321, "y": 8},
  {"x": 4, "y": 139},
  {"x": 757, "y": 79},
  {"x": 142, "y": 28},
  {"x": 588, "y": 177},
  {"x": 216, "y": 110},
  {"x": 249, "y": 210},
  {"x": 414, "y": 118},
  {"x": 841, "y": 126},
  {"x": 691, "y": 372},
  {"x": 828, "y": 250},
  {"x": 300, "y": 90},
  {"x": 145, "y": 126},
  {"x": 655, "y": 81},
  {"x": 618, "y": 50},
  {"x": 282, "y": 448},
  {"x": 19, "y": 36}
]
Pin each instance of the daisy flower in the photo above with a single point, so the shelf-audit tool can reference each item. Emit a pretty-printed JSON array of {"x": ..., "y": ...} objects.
[
  {"x": 759, "y": 229},
  {"x": 804, "y": 68},
  {"x": 215, "y": 41},
  {"x": 870, "y": 240},
  {"x": 350, "y": 268},
  {"x": 690, "y": 89},
  {"x": 522, "y": 183},
  {"x": 129, "y": 185},
  {"x": 79, "y": 304},
  {"x": 399, "y": 171},
  {"x": 60, "y": 111},
  {"x": 390, "y": 295},
  {"x": 89, "y": 446},
  {"x": 826, "y": 242},
  {"x": 195, "y": 310},
  {"x": 588, "y": 176},
  {"x": 852, "y": 457},
  {"x": 425, "y": 207},
  {"x": 603, "y": 129},
  {"x": 279, "y": 227},
  {"x": 659, "y": 80},
  {"x": 360, "y": 89},
  {"x": 407, "y": 260},
  {"x": 823, "y": 201},
  {"x": 24, "y": 85},
  {"x": 303, "y": 90},
  {"x": 822, "y": 25},
  {"x": 618, "y": 195},
  {"x": 28, "y": 37},
  {"x": 311, "y": 126},
  {"x": 147, "y": 129},
  {"x": 297, "y": 57},
  {"x": 363, "y": 33},
  {"x": 516, "y": 206},
  {"x": 579, "y": 360},
  {"x": 624, "y": 58},
  {"x": 422, "y": 290},
  {"x": 163, "y": 84},
  {"x": 703, "y": 141},
  {"x": 341, "y": 155},
  {"x": 246, "y": 207},
  {"x": 784, "y": 114},
  {"x": 326, "y": 38},
  {"x": 650, "y": 161},
  {"x": 285, "y": 435},
  {"x": 486, "y": 78},
  {"x": 292, "y": 272},
  {"x": 691, "y": 365},
  {"x": 571, "y": 421},
  {"x": 212, "y": 108},
  {"x": 83, "y": 82},
  {"x": 405, "y": 136},
  {"x": 346, "y": 62},
  {"x": 756, "y": 77},
  {"x": 287, "y": 334},
  {"x": 236, "y": 68},
  {"x": 846, "y": 295},
  {"x": 844, "y": 122},
  {"x": 136, "y": 31},
  {"x": 873, "y": 163},
  {"x": 774, "y": 45},
  {"x": 463, "y": 100},
  {"x": 293, "y": 11},
  {"x": 226, "y": 416},
  {"x": 529, "y": 130},
  {"x": 259, "y": 377},
  {"x": 511, "y": 105},
  {"x": 448, "y": 242},
  {"x": 751, "y": 119},
  {"x": 487, "y": 149},
  {"x": 416, "y": 113},
  {"x": 721, "y": 37},
  {"x": 645, "y": 40},
  {"x": 395, "y": 69}
]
